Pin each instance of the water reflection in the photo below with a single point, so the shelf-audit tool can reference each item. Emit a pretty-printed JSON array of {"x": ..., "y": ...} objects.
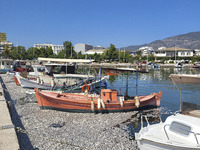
[
  {"x": 134, "y": 122},
  {"x": 154, "y": 81}
]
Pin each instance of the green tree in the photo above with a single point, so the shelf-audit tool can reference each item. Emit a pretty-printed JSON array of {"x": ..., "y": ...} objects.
[
  {"x": 49, "y": 52},
  {"x": 62, "y": 54},
  {"x": 80, "y": 55},
  {"x": 32, "y": 53},
  {"x": 18, "y": 52},
  {"x": 112, "y": 52},
  {"x": 6, "y": 52},
  {"x": 69, "y": 50}
]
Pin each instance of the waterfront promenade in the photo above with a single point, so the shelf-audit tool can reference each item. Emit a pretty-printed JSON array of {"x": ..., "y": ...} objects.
[{"x": 8, "y": 140}]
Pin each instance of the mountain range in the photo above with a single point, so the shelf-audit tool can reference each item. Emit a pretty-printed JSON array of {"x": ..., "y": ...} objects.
[{"x": 190, "y": 41}]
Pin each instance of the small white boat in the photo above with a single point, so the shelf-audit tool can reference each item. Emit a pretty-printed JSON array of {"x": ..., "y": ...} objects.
[
  {"x": 180, "y": 131},
  {"x": 179, "y": 65}
]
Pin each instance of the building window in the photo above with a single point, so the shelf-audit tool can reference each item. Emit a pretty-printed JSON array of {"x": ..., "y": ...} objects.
[{"x": 188, "y": 53}]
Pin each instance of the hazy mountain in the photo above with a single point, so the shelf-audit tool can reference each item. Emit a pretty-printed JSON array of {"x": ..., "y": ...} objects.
[{"x": 190, "y": 40}]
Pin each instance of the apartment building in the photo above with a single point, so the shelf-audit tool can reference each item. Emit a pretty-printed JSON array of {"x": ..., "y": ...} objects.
[
  {"x": 4, "y": 44},
  {"x": 3, "y": 37},
  {"x": 174, "y": 52},
  {"x": 83, "y": 48},
  {"x": 56, "y": 48}
]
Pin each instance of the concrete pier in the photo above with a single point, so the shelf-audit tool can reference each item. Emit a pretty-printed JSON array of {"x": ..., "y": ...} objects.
[{"x": 8, "y": 137}]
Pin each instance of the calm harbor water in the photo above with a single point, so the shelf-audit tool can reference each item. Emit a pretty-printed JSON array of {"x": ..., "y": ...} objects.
[
  {"x": 157, "y": 80},
  {"x": 154, "y": 81}
]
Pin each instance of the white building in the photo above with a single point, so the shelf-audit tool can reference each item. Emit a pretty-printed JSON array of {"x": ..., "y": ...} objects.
[
  {"x": 83, "y": 48},
  {"x": 174, "y": 52},
  {"x": 98, "y": 51},
  {"x": 3, "y": 44},
  {"x": 160, "y": 48},
  {"x": 197, "y": 52},
  {"x": 99, "y": 47},
  {"x": 146, "y": 50},
  {"x": 56, "y": 48}
]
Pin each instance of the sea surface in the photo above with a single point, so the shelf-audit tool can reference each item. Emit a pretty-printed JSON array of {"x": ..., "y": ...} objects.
[
  {"x": 157, "y": 80},
  {"x": 154, "y": 81}
]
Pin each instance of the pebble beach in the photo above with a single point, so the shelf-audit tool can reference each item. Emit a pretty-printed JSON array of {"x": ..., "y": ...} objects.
[{"x": 57, "y": 130}]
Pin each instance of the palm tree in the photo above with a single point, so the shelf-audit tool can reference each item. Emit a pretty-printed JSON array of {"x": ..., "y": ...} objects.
[{"x": 6, "y": 52}]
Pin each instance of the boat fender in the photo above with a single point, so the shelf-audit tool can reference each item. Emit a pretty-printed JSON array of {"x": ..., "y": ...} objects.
[
  {"x": 52, "y": 82},
  {"x": 102, "y": 103},
  {"x": 137, "y": 101},
  {"x": 42, "y": 82},
  {"x": 122, "y": 101},
  {"x": 83, "y": 87},
  {"x": 38, "y": 80},
  {"x": 99, "y": 103},
  {"x": 92, "y": 105}
]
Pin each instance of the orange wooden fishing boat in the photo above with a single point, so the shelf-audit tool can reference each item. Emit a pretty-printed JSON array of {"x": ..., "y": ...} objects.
[{"x": 108, "y": 101}]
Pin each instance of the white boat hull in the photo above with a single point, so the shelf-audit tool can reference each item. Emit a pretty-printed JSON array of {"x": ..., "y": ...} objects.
[
  {"x": 184, "y": 78},
  {"x": 145, "y": 144},
  {"x": 178, "y": 132},
  {"x": 25, "y": 83}
]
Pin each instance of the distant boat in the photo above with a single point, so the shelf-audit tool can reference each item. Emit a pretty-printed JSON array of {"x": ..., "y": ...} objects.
[
  {"x": 155, "y": 65},
  {"x": 178, "y": 65},
  {"x": 46, "y": 82},
  {"x": 185, "y": 78},
  {"x": 179, "y": 132},
  {"x": 108, "y": 101},
  {"x": 196, "y": 66}
]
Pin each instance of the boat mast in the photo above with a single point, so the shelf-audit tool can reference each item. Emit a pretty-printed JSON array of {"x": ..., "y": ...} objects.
[
  {"x": 126, "y": 84},
  {"x": 180, "y": 96},
  {"x": 175, "y": 54},
  {"x": 136, "y": 82},
  {"x": 100, "y": 80}
]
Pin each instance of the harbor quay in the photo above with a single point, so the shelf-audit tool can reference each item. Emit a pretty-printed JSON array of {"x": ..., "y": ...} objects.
[{"x": 8, "y": 140}]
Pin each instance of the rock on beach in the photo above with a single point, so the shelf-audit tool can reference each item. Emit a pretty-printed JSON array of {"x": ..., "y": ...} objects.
[{"x": 50, "y": 129}]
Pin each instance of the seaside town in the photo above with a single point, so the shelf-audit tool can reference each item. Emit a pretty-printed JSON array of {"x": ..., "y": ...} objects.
[
  {"x": 48, "y": 104},
  {"x": 163, "y": 55},
  {"x": 99, "y": 75}
]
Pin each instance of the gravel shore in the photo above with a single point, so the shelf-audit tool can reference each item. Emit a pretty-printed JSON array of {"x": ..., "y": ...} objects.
[{"x": 56, "y": 130}]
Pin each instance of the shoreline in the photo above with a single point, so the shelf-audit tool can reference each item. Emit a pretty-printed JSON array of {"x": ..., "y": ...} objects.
[
  {"x": 127, "y": 65},
  {"x": 74, "y": 131}
]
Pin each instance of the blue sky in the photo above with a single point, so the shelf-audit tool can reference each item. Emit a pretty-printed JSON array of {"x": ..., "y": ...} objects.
[{"x": 97, "y": 22}]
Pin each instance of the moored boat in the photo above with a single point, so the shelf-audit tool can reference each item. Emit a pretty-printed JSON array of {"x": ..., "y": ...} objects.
[
  {"x": 107, "y": 101},
  {"x": 179, "y": 65},
  {"x": 180, "y": 131},
  {"x": 196, "y": 66},
  {"x": 185, "y": 78}
]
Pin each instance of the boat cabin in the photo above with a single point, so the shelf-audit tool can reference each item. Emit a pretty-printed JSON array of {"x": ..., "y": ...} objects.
[
  {"x": 184, "y": 126},
  {"x": 52, "y": 66},
  {"x": 109, "y": 95},
  {"x": 6, "y": 64}
]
